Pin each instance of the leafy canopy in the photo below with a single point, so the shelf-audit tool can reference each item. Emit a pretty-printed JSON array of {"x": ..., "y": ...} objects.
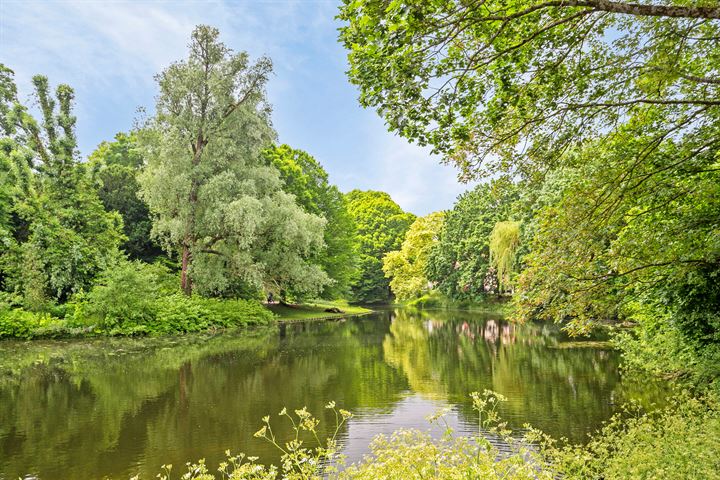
[
  {"x": 114, "y": 166},
  {"x": 57, "y": 234},
  {"x": 381, "y": 226},
  {"x": 307, "y": 180},
  {"x": 510, "y": 85},
  {"x": 406, "y": 267},
  {"x": 213, "y": 198}
]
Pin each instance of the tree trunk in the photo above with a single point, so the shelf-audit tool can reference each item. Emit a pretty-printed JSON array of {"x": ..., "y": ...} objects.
[{"x": 185, "y": 281}]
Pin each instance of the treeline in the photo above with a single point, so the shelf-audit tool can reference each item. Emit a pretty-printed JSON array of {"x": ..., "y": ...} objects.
[{"x": 184, "y": 223}]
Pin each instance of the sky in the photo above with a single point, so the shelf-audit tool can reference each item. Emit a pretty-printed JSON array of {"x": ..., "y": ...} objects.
[{"x": 109, "y": 52}]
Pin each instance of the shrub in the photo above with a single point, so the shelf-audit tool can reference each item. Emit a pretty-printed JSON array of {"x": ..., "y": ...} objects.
[
  {"x": 20, "y": 323},
  {"x": 679, "y": 442},
  {"x": 125, "y": 295},
  {"x": 178, "y": 313}
]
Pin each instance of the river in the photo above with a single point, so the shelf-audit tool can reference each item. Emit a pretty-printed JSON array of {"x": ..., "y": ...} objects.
[{"x": 113, "y": 408}]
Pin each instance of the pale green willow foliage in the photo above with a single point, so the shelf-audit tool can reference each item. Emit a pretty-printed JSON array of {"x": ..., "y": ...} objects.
[
  {"x": 212, "y": 199},
  {"x": 504, "y": 242}
]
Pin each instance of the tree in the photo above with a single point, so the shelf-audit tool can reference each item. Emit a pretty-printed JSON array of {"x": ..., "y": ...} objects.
[
  {"x": 381, "y": 226},
  {"x": 406, "y": 267},
  {"x": 459, "y": 264},
  {"x": 307, "y": 180},
  {"x": 482, "y": 81},
  {"x": 607, "y": 237},
  {"x": 213, "y": 199},
  {"x": 115, "y": 166},
  {"x": 504, "y": 242},
  {"x": 62, "y": 235}
]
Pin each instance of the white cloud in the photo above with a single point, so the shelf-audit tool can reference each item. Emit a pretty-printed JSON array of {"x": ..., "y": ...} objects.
[{"x": 109, "y": 52}]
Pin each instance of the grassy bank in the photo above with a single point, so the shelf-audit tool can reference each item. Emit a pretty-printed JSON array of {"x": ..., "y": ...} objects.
[
  {"x": 164, "y": 315},
  {"x": 437, "y": 301},
  {"x": 160, "y": 315},
  {"x": 316, "y": 310}
]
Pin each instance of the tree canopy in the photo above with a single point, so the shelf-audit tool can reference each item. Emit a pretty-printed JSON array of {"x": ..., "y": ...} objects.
[
  {"x": 307, "y": 180},
  {"x": 510, "y": 85},
  {"x": 60, "y": 234},
  {"x": 406, "y": 267},
  {"x": 459, "y": 264},
  {"x": 381, "y": 227},
  {"x": 214, "y": 199},
  {"x": 115, "y": 167}
]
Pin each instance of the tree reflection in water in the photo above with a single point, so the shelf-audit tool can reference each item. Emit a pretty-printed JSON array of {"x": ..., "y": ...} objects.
[{"x": 115, "y": 407}]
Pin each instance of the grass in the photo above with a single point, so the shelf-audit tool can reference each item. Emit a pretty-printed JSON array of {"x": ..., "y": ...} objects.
[{"x": 315, "y": 310}]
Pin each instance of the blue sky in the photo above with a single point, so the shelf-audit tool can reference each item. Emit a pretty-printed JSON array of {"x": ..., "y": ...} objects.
[{"x": 110, "y": 51}]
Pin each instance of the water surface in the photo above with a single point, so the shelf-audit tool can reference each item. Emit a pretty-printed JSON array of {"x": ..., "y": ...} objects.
[{"x": 114, "y": 408}]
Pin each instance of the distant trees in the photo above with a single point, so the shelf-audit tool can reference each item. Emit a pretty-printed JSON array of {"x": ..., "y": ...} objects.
[
  {"x": 406, "y": 267},
  {"x": 213, "y": 198},
  {"x": 115, "y": 167},
  {"x": 381, "y": 227},
  {"x": 304, "y": 177},
  {"x": 459, "y": 263}
]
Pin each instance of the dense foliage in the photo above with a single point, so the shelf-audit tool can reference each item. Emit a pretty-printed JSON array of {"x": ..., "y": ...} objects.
[
  {"x": 459, "y": 264},
  {"x": 381, "y": 227},
  {"x": 305, "y": 178},
  {"x": 406, "y": 267},
  {"x": 56, "y": 232},
  {"x": 115, "y": 166}
]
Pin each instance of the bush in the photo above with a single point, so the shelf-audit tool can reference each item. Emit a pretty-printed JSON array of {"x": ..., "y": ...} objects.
[
  {"x": 133, "y": 298},
  {"x": 680, "y": 442},
  {"x": 178, "y": 313},
  {"x": 19, "y": 323},
  {"x": 125, "y": 295}
]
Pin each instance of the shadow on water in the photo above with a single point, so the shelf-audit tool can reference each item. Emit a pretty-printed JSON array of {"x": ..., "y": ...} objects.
[{"x": 117, "y": 407}]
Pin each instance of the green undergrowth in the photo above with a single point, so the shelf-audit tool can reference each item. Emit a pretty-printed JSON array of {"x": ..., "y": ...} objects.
[
  {"x": 315, "y": 310},
  {"x": 171, "y": 314},
  {"x": 132, "y": 298},
  {"x": 678, "y": 442}
]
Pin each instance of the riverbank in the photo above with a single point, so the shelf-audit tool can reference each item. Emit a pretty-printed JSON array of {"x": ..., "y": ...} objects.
[
  {"x": 165, "y": 315},
  {"x": 316, "y": 310}
]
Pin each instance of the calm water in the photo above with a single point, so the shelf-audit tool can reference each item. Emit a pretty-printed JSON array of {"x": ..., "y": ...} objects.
[{"x": 111, "y": 409}]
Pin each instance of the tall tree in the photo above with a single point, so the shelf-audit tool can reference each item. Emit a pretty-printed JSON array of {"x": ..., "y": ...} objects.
[
  {"x": 406, "y": 267},
  {"x": 381, "y": 226},
  {"x": 62, "y": 234},
  {"x": 305, "y": 178},
  {"x": 115, "y": 167},
  {"x": 213, "y": 199}
]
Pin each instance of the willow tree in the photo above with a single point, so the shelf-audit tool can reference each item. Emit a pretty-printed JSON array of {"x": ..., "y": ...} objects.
[
  {"x": 504, "y": 242},
  {"x": 213, "y": 199}
]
